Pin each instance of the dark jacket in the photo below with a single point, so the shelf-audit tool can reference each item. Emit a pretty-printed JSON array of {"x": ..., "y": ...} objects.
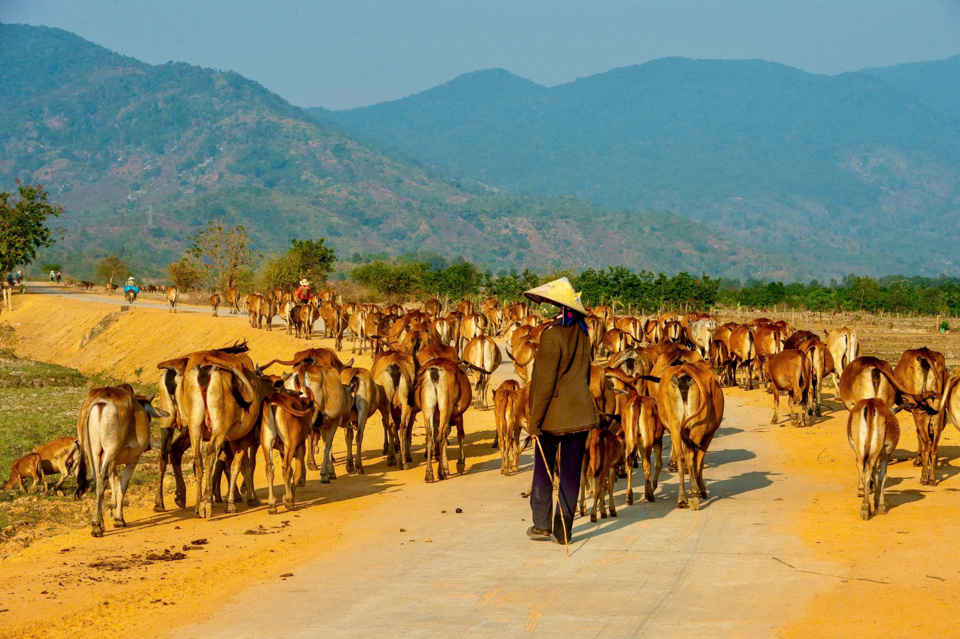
[{"x": 560, "y": 399}]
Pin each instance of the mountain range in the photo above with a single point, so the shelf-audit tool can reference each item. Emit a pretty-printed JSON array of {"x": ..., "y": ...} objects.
[
  {"x": 856, "y": 172},
  {"x": 143, "y": 155}
]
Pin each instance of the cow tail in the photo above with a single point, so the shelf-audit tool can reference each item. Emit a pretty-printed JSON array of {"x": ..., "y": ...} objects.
[
  {"x": 685, "y": 424},
  {"x": 86, "y": 452},
  {"x": 595, "y": 465}
]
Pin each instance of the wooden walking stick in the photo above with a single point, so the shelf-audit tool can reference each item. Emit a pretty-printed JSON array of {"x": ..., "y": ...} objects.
[{"x": 563, "y": 522}]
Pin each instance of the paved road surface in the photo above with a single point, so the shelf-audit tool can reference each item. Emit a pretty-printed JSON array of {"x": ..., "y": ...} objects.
[{"x": 654, "y": 571}]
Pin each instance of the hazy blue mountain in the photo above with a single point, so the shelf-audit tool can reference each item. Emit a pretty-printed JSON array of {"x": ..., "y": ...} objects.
[
  {"x": 142, "y": 155},
  {"x": 854, "y": 172}
]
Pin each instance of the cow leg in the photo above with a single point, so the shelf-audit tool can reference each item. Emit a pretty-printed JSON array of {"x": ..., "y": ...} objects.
[
  {"x": 179, "y": 447},
  {"x": 166, "y": 435},
  {"x": 206, "y": 468},
  {"x": 267, "y": 448},
  {"x": 102, "y": 473},
  {"x": 362, "y": 416},
  {"x": 428, "y": 421},
  {"x": 923, "y": 446},
  {"x": 462, "y": 459},
  {"x": 648, "y": 483},
  {"x": 699, "y": 458},
  {"x": 197, "y": 442},
  {"x": 594, "y": 490},
  {"x": 881, "y": 478},
  {"x": 235, "y": 466},
  {"x": 122, "y": 483},
  {"x": 628, "y": 466},
  {"x": 867, "y": 475},
  {"x": 936, "y": 429},
  {"x": 348, "y": 437},
  {"x": 674, "y": 462},
  {"x": 681, "y": 472},
  {"x": 288, "y": 485},
  {"x": 312, "y": 444},
  {"x": 326, "y": 465}
]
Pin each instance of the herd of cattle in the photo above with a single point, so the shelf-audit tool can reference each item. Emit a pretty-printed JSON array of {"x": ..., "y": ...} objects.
[{"x": 651, "y": 376}]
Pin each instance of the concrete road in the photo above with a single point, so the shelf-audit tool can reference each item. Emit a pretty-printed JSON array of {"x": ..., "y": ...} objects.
[{"x": 419, "y": 568}]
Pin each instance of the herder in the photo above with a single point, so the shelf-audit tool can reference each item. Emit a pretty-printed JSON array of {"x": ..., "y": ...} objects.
[{"x": 562, "y": 411}]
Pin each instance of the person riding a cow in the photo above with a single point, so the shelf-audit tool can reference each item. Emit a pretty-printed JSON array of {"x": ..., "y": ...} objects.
[
  {"x": 562, "y": 411},
  {"x": 303, "y": 293},
  {"x": 131, "y": 285}
]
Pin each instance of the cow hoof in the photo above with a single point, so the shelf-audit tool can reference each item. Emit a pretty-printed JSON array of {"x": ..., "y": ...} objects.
[
  {"x": 694, "y": 503},
  {"x": 819, "y": 413},
  {"x": 311, "y": 466},
  {"x": 865, "y": 513},
  {"x": 253, "y": 502},
  {"x": 650, "y": 497},
  {"x": 391, "y": 461},
  {"x": 302, "y": 483},
  {"x": 630, "y": 499},
  {"x": 158, "y": 508},
  {"x": 409, "y": 458},
  {"x": 613, "y": 513},
  {"x": 350, "y": 467},
  {"x": 119, "y": 523},
  {"x": 603, "y": 515},
  {"x": 860, "y": 492},
  {"x": 360, "y": 470},
  {"x": 461, "y": 467},
  {"x": 324, "y": 480},
  {"x": 681, "y": 504},
  {"x": 97, "y": 530},
  {"x": 428, "y": 478},
  {"x": 205, "y": 509},
  {"x": 882, "y": 509},
  {"x": 916, "y": 461},
  {"x": 672, "y": 468},
  {"x": 288, "y": 504},
  {"x": 181, "y": 502},
  {"x": 272, "y": 509},
  {"x": 217, "y": 499},
  {"x": 231, "y": 508},
  {"x": 593, "y": 518}
]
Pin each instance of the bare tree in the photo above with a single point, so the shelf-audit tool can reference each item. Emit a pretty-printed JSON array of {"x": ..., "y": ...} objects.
[{"x": 224, "y": 252}]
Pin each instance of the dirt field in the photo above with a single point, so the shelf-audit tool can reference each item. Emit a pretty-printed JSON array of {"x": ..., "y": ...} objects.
[{"x": 778, "y": 550}]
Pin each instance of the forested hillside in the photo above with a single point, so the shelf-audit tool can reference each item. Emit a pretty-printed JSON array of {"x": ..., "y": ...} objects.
[
  {"x": 854, "y": 172},
  {"x": 142, "y": 155}
]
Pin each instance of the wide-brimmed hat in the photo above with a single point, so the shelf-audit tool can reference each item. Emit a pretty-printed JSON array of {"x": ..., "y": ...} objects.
[
  {"x": 559, "y": 292},
  {"x": 130, "y": 279},
  {"x": 304, "y": 282}
]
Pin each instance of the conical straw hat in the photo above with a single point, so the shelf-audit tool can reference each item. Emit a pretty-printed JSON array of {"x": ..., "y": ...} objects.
[{"x": 559, "y": 292}]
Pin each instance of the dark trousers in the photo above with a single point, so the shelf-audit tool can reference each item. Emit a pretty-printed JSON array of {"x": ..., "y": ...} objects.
[{"x": 571, "y": 448}]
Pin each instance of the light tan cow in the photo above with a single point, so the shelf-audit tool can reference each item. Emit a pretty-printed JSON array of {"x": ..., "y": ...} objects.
[
  {"x": 921, "y": 372},
  {"x": 357, "y": 323},
  {"x": 285, "y": 426},
  {"x": 869, "y": 377},
  {"x": 524, "y": 356},
  {"x": 443, "y": 395},
  {"x": 643, "y": 437},
  {"x": 232, "y": 298},
  {"x": 700, "y": 334},
  {"x": 113, "y": 428},
  {"x": 690, "y": 402},
  {"x": 27, "y": 466},
  {"x": 395, "y": 373},
  {"x": 744, "y": 353},
  {"x": 173, "y": 296},
  {"x": 472, "y": 326},
  {"x": 62, "y": 455},
  {"x": 844, "y": 347},
  {"x": 483, "y": 356},
  {"x": 367, "y": 398},
  {"x": 215, "y": 303},
  {"x": 332, "y": 403},
  {"x": 768, "y": 341},
  {"x": 616, "y": 340},
  {"x": 873, "y": 433}
]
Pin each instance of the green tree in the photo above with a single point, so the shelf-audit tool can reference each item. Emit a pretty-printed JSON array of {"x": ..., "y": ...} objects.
[
  {"x": 223, "y": 252},
  {"x": 186, "y": 274},
  {"x": 110, "y": 268},
  {"x": 310, "y": 259},
  {"x": 23, "y": 224}
]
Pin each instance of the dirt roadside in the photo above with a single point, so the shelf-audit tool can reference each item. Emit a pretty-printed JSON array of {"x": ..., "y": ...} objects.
[{"x": 865, "y": 577}]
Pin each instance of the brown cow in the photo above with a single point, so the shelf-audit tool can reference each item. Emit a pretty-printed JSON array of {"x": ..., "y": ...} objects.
[
  {"x": 744, "y": 352},
  {"x": 395, "y": 373},
  {"x": 821, "y": 365},
  {"x": 285, "y": 426},
  {"x": 616, "y": 340},
  {"x": 690, "y": 402},
  {"x": 232, "y": 298},
  {"x": 643, "y": 436},
  {"x": 524, "y": 356},
  {"x": 62, "y": 455},
  {"x": 768, "y": 341},
  {"x": 922, "y": 371},
  {"x": 798, "y": 338},
  {"x": 483, "y": 356},
  {"x": 443, "y": 395},
  {"x": 472, "y": 326},
  {"x": 873, "y": 433},
  {"x": 506, "y": 407},
  {"x": 605, "y": 453},
  {"x": 113, "y": 427},
  {"x": 869, "y": 377},
  {"x": 789, "y": 371},
  {"x": 323, "y": 357},
  {"x": 27, "y": 466},
  {"x": 333, "y": 403},
  {"x": 215, "y": 303}
]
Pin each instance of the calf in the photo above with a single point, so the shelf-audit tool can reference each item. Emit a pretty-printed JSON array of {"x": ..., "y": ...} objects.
[
  {"x": 873, "y": 432},
  {"x": 643, "y": 436},
  {"x": 27, "y": 466},
  {"x": 113, "y": 427},
  {"x": 215, "y": 303},
  {"x": 62, "y": 455},
  {"x": 606, "y": 452},
  {"x": 789, "y": 371},
  {"x": 285, "y": 426},
  {"x": 506, "y": 399}
]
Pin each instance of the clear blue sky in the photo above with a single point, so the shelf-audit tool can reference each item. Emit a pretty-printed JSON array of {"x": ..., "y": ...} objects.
[{"x": 356, "y": 52}]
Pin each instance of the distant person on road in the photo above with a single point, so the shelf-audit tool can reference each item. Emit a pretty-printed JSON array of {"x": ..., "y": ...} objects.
[
  {"x": 562, "y": 411},
  {"x": 131, "y": 285},
  {"x": 303, "y": 293},
  {"x": 53, "y": 276},
  {"x": 59, "y": 277},
  {"x": 11, "y": 280}
]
